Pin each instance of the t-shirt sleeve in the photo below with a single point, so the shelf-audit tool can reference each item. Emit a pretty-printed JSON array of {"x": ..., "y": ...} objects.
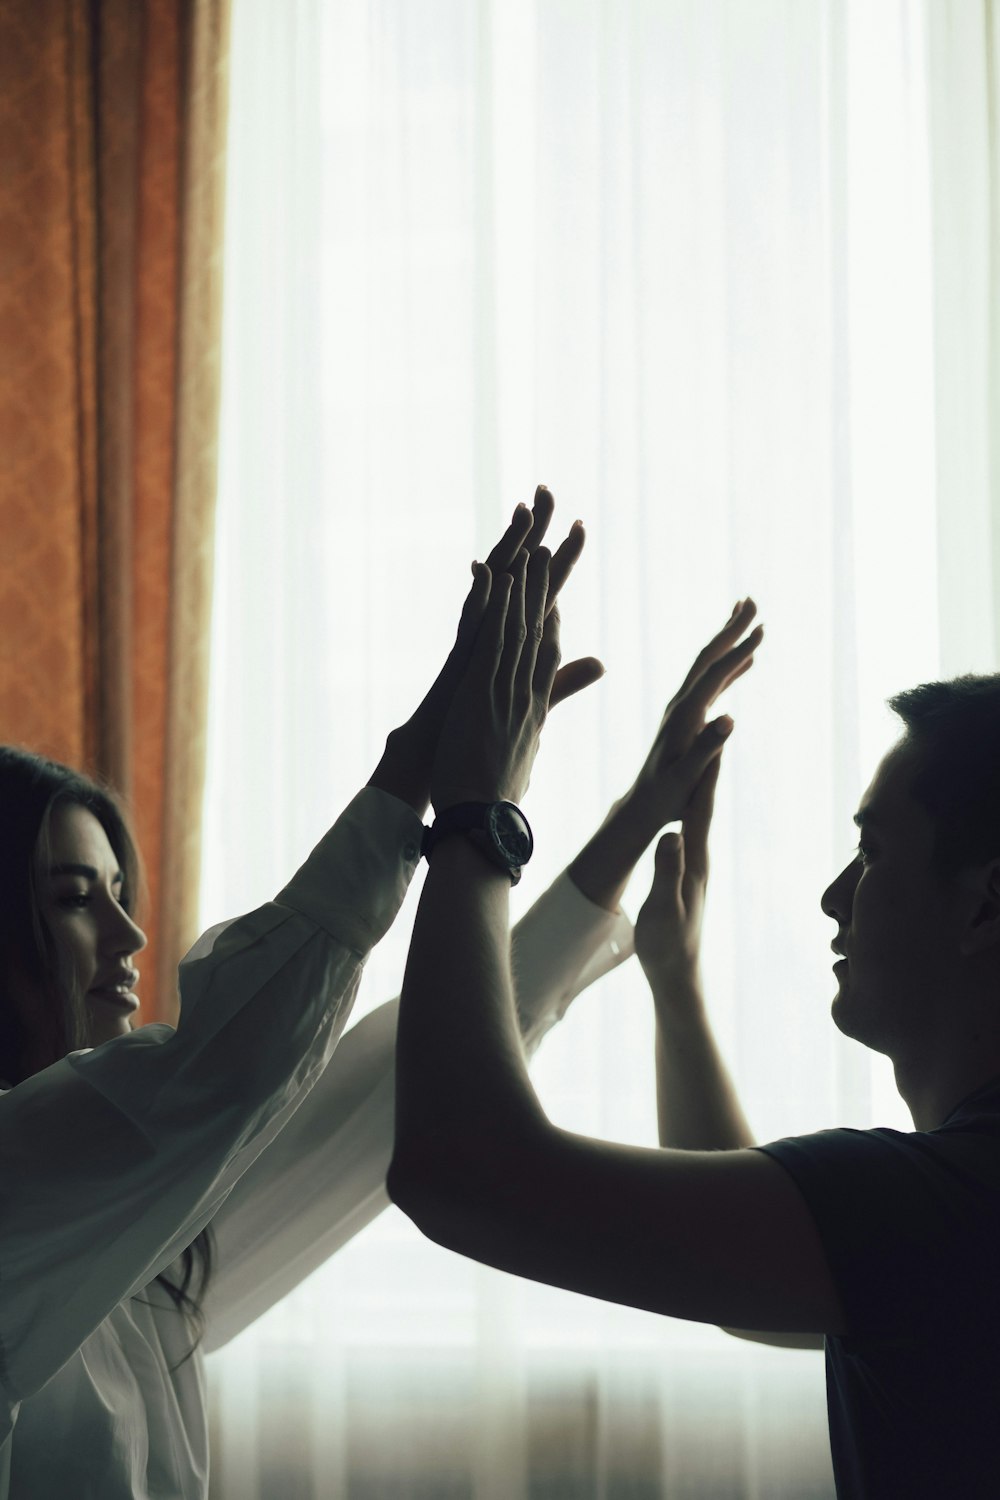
[
  {"x": 115, "y": 1158},
  {"x": 907, "y": 1221}
]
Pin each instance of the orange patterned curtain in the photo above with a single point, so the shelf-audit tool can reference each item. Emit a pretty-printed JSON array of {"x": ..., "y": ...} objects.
[{"x": 112, "y": 128}]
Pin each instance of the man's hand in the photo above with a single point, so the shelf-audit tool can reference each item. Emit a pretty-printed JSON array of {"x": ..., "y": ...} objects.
[
  {"x": 405, "y": 767},
  {"x": 684, "y": 746},
  {"x": 490, "y": 735},
  {"x": 668, "y": 927}
]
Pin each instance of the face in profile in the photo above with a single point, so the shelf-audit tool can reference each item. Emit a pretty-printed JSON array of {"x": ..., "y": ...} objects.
[
  {"x": 80, "y": 895},
  {"x": 898, "y": 922}
]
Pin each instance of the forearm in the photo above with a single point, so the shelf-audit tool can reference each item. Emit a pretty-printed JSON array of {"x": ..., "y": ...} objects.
[
  {"x": 696, "y": 1103},
  {"x": 404, "y": 770},
  {"x": 604, "y": 865},
  {"x": 460, "y": 1071}
]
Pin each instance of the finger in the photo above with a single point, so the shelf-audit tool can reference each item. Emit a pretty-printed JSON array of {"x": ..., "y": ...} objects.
[
  {"x": 718, "y": 677},
  {"x": 514, "y": 629},
  {"x": 690, "y": 707},
  {"x": 574, "y": 677},
  {"x": 548, "y": 659},
  {"x": 692, "y": 766},
  {"x": 738, "y": 673},
  {"x": 527, "y": 529},
  {"x": 565, "y": 560},
  {"x": 698, "y": 818},
  {"x": 721, "y": 645},
  {"x": 542, "y": 512},
  {"x": 670, "y": 862},
  {"x": 489, "y": 642},
  {"x": 474, "y": 607},
  {"x": 503, "y": 554},
  {"x": 535, "y": 598}
]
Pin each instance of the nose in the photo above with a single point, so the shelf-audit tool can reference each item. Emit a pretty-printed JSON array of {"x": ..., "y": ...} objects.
[
  {"x": 838, "y": 898},
  {"x": 126, "y": 936}
]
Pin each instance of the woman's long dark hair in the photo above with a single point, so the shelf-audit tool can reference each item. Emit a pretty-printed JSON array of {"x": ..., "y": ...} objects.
[{"x": 30, "y": 787}]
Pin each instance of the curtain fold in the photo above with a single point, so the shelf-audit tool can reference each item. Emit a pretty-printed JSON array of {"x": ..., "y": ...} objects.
[{"x": 112, "y": 123}]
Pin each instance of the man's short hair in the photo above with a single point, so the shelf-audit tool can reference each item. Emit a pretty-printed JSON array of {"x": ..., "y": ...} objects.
[{"x": 953, "y": 734}]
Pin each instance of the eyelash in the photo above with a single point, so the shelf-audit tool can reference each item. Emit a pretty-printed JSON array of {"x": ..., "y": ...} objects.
[
  {"x": 864, "y": 851},
  {"x": 80, "y": 901}
]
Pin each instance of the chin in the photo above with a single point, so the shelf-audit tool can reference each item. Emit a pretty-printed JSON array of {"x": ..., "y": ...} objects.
[{"x": 853, "y": 1022}]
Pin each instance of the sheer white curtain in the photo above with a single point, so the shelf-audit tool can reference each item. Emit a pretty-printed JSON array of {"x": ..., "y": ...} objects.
[{"x": 719, "y": 272}]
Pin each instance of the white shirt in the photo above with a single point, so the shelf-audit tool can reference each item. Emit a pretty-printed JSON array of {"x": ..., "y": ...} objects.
[{"x": 116, "y": 1157}]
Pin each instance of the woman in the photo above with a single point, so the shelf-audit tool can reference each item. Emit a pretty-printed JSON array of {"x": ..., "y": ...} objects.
[{"x": 240, "y": 1144}]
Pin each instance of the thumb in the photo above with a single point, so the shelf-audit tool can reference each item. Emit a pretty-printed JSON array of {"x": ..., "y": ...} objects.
[
  {"x": 574, "y": 677},
  {"x": 708, "y": 744},
  {"x": 670, "y": 857}
]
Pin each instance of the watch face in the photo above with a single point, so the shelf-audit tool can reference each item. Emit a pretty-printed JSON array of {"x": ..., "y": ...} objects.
[{"x": 510, "y": 828}]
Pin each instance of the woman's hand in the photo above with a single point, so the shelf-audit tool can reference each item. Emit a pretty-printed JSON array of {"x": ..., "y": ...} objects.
[
  {"x": 405, "y": 767},
  {"x": 664, "y": 785},
  {"x": 490, "y": 735},
  {"x": 668, "y": 927},
  {"x": 672, "y": 769}
]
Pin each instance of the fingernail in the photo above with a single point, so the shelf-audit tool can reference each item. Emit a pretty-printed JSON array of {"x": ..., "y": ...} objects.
[{"x": 723, "y": 726}]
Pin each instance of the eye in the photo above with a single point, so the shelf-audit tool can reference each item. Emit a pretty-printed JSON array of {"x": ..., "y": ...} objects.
[
  {"x": 864, "y": 851},
  {"x": 74, "y": 901}
]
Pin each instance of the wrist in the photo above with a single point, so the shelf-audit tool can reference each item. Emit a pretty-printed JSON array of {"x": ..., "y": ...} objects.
[
  {"x": 457, "y": 858},
  {"x": 676, "y": 991},
  {"x": 455, "y": 796},
  {"x": 404, "y": 770},
  {"x": 603, "y": 868}
]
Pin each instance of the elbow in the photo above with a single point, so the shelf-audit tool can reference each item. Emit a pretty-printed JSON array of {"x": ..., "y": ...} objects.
[
  {"x": 422, "y": 1183},
  {"x": 460, "y": 1188},
  {"x": 452, "y": 1191},
  {"x": 403, "y": 1184}
]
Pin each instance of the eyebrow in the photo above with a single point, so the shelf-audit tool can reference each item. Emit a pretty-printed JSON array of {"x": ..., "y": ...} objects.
[
  {"x": 866, "y": 818},
  {"x": 87, "y": 871}
]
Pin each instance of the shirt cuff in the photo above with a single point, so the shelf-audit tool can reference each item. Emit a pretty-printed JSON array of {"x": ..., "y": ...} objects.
[
  {"x": 356, "y": 879},
  {"x": 561, "y": 946}
]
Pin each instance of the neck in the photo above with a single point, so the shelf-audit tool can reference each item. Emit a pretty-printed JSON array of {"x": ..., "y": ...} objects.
[{"x": 931, "y": 1096}]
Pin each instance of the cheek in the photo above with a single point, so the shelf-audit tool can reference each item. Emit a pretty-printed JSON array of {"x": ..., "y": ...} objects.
[
  {"x": 893, "y": 927},
  {"x": 75, "y": 946}
]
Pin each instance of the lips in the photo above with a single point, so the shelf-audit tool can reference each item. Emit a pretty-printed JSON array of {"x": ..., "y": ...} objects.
[{"x": 118, "y": 987}]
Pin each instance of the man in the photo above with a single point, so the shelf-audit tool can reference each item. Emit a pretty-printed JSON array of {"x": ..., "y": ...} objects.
[{"x": 880, "y": 1242}]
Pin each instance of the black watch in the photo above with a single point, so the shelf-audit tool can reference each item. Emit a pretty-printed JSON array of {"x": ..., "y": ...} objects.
[{"x": 498, "y": 829}]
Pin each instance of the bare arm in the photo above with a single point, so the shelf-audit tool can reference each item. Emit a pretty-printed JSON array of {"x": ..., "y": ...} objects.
[
  {"x": 721, "y": 1237},
  {"x": 697, "y": 1105}
]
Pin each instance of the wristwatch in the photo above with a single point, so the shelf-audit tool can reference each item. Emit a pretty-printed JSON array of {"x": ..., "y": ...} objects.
[{"x": 498, "y": 829}]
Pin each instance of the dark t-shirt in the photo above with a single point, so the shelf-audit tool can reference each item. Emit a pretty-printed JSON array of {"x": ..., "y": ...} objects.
[{"x": 911, "y": 1228}]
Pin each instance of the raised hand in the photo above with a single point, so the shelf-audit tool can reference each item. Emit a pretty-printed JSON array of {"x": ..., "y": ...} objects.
[
  {"x": 683, "y": 745},
  {"x": 490, "y": 736},
  {"x": 682, "y": 750},
  {"x": 528, "y": 531},
  {"x": 668, "y": 927},
  {"x": 405, "y": 768}
]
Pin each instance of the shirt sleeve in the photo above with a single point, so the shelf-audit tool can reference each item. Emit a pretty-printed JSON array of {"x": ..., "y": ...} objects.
[
  {"x": 323, "y": 1178},
  {"x": 115, "y": 1158},
  {"x": 908, "y": 1223}
]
